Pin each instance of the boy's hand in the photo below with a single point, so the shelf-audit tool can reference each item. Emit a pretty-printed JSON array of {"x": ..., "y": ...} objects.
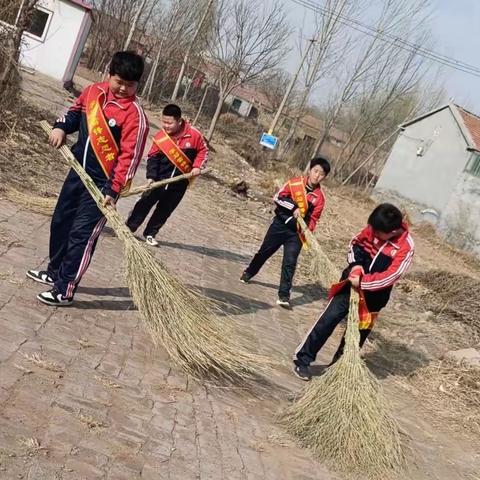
[
  {"x": 57, "y": 137},
  {"x": 150, "y": 181},
  {"x": 296, "y": 213},
  {"x": 355, "y": 276},
  {"x": 109, "y": 201},
  {"x": 355, "y": 281},
  {"x": 195, "y": 172}
]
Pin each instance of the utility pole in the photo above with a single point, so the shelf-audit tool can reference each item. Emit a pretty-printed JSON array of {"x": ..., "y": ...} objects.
[
  {"x": 290, "y": 88},
  {"x": 189, "y": 49}
]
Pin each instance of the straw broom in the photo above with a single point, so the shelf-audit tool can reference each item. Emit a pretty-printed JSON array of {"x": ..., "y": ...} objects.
[
  {"x": 344, "y": 417},
  {"x": 321, "y": 268},
  {"x": 198, "y": 341}
]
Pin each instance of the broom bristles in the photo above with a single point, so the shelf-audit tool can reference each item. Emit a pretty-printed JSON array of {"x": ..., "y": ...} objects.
[
  {"x": 322, "y": 269},
  {"x": 196, "y": 339},
  {"x": 42, "y": 205},
  {"x": 344, "y": 417}
]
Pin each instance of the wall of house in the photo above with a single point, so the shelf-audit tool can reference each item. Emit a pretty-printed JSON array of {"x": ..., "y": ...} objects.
[
  {"x": 429, "y": 179},
  {"x": 460, "y": 221},
  {"x": 51, "y": 54},
  {"x": 245, "y": 107}
]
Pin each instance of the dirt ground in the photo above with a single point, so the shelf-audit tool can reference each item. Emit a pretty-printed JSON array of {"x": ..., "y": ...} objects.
[{"x": 206, "y": 243}]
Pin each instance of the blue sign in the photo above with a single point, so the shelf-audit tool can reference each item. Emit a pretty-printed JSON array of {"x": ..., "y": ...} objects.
[{"x": 269, "y": 141}]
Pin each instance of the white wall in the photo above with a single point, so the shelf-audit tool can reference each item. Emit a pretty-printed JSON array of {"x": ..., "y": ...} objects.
[
  {"x": 245, "y": 107},
  {"x": 429, "y": 179},
  {"x": 52, "y": 55},
  {"x": 460, "y": 221}
]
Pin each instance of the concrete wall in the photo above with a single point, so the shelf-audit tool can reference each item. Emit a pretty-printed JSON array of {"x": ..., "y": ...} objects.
[
  {"x": 245, "y": 107},
  {"x": 429, "y": 179},
  {"x": 460, "y": 221},
  {"x": 51, "y": 54}
]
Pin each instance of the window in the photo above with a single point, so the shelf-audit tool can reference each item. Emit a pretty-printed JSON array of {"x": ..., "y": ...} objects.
[
  {"x": 39, "y": 23},
  {"x": 473, "y": 165},
  {"x": 236, "y": 104}
]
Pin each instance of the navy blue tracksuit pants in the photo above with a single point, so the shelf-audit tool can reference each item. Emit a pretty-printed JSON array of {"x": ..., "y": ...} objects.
[
  {"x": 334, "y": 313},
  {"x": 76, "y": 224},
  {"x": 277, "y": 235}
]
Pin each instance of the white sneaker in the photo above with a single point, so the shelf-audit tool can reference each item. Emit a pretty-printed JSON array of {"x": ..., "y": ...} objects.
[
  {"x": 54, "y": 298},
  {"x": 284, "y": 303},
  {"x": 151, "y": 241},
  {"x": 40, "y": 276}
]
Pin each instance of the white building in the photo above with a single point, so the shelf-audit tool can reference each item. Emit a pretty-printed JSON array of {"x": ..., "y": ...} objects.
[
  {"x": 435, "y": 163},
  {"x": 56, "y": 37}
]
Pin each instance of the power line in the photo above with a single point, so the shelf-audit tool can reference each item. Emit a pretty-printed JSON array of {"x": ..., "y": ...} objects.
[{"x": 392, "y": 39}]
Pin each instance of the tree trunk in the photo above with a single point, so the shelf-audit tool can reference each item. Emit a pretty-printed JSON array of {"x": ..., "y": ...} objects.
[{"x": 216, "y": 116}]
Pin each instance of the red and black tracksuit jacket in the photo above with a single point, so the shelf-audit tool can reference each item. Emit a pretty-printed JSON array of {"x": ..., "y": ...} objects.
[
  {"x": 283, "y": 233},
  {"x": 191, "y": 142},
  {"x": 77, "y": 222},
  {"x": 383, "y": 262},
  {"x": 285, "y": 205},
  {"x": 129, "y": 127}
]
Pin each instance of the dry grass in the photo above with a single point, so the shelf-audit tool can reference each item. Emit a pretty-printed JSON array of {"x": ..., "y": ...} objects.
[
  {"x": 38, "y": 360},
  {"x": 451, "y": 391},
  {"x": 31, "y": 446},
  {"x": 42, "y": 205},
  {"x": 451, "y": 294},
  {"x": 197, "y": 340},
  {"x": 91, "y": 422},
  {"x": 344, "y": 417},
  {"x": 106, "y": 382}
]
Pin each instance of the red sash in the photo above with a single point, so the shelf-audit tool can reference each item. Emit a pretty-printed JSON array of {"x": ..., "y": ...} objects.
[
  {"x": 171, "y": 150},
  {"x": 299, "y": 196},
  {"x": 101, "y": 138},
  {"x": 367, "y": 319}
]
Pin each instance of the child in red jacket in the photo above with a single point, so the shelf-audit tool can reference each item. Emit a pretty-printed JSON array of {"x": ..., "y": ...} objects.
[
  {"x": 112, "y": 130},
  {"x": 378, "y": 256},
  {"x": 300, "y": 196},
  {"x": 177, "y": 148}
]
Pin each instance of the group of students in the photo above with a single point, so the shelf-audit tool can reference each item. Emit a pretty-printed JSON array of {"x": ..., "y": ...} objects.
[{"x": 112, "y": 132}]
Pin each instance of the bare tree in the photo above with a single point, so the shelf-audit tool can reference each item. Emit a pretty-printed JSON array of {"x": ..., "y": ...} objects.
[
  {"x": 331, "y": 46},
  {"x": 18, "y": 14},
  {"x": 248, "y": 42}
]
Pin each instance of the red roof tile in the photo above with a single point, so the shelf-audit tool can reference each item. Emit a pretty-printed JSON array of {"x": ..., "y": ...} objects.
[
  {"x": 472, "y": 123},
  {"x": 81, "y": 3}
]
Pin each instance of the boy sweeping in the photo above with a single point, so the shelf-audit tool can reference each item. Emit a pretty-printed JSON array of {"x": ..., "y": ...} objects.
[
  {"x": 112, "y": 130},
  {"x": 378, "y": 256},
  {"x": 300, "y": 196},
  {"x": 177, "y": 148}
]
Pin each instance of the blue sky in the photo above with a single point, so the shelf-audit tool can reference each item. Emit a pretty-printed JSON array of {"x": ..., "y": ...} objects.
[
  {"x": 455, "y": 32},
  {"x": 454, "y": 27}
]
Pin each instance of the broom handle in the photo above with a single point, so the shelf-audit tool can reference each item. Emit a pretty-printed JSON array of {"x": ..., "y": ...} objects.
[
  {"x": 110, "y": 213},
  {"x": 151, "y": 186}
]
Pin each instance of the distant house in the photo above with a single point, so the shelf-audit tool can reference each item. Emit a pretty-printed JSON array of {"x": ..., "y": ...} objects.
[
  {"x": 247, "y": 101},
  {"x": 55, "y": 38},
  {"x": 435, "y": 163}
]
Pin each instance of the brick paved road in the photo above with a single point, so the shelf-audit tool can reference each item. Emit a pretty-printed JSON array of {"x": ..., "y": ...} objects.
[{"x": 85, "y": 395}]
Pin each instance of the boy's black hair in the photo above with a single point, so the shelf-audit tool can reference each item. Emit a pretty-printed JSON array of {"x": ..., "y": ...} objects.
[
  {"x": 385, "y": 218},
  {"x": 323, "y": 162},
  {"x": 128, "y": 66},
  {"x": 172, "y": 110}
]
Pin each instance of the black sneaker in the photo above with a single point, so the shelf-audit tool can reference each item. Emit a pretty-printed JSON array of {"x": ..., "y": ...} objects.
[
  {"x": 284, "y": 302},
  {"x": 54, "y": 298},
  {"x": 302, "y": 372},
  {"x": 246, "y": 277},
  {"x": 40, "y": 276}
]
